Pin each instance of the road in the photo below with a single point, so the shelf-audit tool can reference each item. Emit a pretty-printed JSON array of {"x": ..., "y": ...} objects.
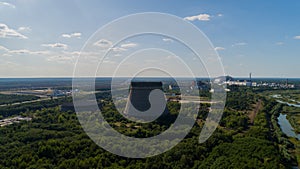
[
  {"x": 30, "y": 101},
  {"x": 253, "y": 113}
]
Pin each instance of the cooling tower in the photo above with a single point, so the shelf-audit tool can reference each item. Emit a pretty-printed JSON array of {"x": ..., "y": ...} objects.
[{"x": 146, "y": 101}]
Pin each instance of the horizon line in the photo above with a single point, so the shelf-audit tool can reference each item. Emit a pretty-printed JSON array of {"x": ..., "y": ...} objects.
[{"x": 60, "y": 77}]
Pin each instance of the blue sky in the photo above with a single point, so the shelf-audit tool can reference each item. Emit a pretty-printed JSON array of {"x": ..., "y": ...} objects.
[{"x": 43, "y": 38}]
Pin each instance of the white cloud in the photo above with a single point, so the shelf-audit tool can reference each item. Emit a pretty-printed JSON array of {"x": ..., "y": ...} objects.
[
  {"x": 3, "y": 48},
  {"x": 40, "y": 52},
  {"x": 9, "y": 52},
  {"x": 6, "y": 32},
  {"x": 109, "y": 62},
  {"x": 239, "y": 44},
  {"x": 297, "y": 37},
  {"x": 6, "y": 55},
  {"x": 220, "y": 15},
  {"x": 279, "y": 43},
  {"x": 67, "y": 56},
  {"x": 200, "y": 17},
  {"x": 171, "y": 57},
  {"x": 60, "y": 58},
  {"x": 56, "y": 45},
  {"x": 20, "y": 51},
  {"x": 74, "y": 53},
  {"x": 118, "y": 55},
  {"x": 219, "y": 48},
  {"x": 72, "y": 35},
  {"x": 118, "y": 49},
  {"x": 103, "y": 43},
  {"x": 24, "y": 29},
  {"x": 26, "y": 51},
  {"x": 168, "y": 40},
  {"x": 7, "y": 4},
  {"x": 128, "y": 45}
]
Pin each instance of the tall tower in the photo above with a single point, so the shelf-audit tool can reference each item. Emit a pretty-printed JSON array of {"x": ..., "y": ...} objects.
[
  {"x": 146, "y": 101},
  {"x": 250, "y": 77}
]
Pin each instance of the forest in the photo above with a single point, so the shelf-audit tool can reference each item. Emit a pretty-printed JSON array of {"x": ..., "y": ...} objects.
[
  {"x": 13, "y": 98},
  {"x": 55, "y": 139}
]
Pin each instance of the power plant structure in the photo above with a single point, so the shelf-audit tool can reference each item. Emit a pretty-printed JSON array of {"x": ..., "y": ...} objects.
[{"x": 146, "y": 101}]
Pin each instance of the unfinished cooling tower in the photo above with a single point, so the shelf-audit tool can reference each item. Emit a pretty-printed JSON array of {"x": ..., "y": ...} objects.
[{"x": 146, "y": 101}]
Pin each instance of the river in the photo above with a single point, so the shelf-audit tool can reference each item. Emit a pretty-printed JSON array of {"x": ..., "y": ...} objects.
[
  {"x": 289, "y": 104},
  {"x": 286, "y": 127},
  {"x": 283, "y": 122}
]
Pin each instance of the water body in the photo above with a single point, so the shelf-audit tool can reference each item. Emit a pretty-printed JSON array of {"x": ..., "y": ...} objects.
[
  {"x": 286, "y": 127},
  {"x": 283, "y": 122},
  {"x": 289, "y": 104}
]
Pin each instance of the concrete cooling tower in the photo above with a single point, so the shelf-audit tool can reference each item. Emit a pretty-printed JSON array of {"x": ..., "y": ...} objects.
[{"x": 146, "y": 101}]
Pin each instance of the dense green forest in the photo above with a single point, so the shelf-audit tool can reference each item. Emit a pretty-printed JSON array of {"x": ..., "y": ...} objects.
[
  {"x": 11, "y": 110},
  {"x": 13, "y": 98},
  {"x": 55, "y": 139}
]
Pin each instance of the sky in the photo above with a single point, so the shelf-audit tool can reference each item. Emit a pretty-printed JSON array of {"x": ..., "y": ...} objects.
[{"x": 45, "y": 38}]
